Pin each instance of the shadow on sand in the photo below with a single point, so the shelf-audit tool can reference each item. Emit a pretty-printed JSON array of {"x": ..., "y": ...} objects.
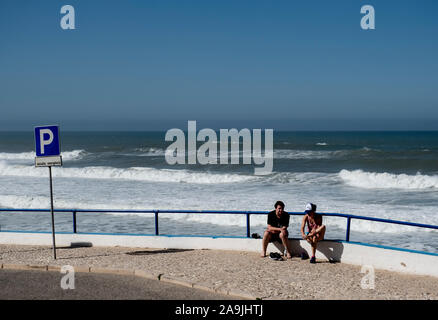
[
  {"x": 131, "y": 253},
  {"x": 148, "y": 252},
  {"x": 331, "y": 249}
]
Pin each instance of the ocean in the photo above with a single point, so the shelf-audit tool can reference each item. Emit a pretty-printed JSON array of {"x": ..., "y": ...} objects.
[{"x": 391, "y": 175}]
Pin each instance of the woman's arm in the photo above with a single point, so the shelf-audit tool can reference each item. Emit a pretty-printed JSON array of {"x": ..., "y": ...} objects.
[{"x": 303, "y": 225}]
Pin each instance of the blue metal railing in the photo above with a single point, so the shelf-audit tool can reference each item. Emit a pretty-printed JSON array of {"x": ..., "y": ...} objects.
[{"x": 156, "y": 213}]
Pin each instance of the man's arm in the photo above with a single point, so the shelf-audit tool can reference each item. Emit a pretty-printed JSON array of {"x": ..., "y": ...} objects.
[{"x": 273, "y": 229}]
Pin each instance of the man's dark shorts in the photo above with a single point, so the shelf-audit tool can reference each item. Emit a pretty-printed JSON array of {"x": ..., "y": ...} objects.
[{"x": 275, "y": 237}]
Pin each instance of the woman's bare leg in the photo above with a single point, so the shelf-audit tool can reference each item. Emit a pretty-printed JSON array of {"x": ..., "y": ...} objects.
[
  {"x": 319, "y": 235},
  {"x": 320, "y": 232},
  {"x": 313, "y": 244}
]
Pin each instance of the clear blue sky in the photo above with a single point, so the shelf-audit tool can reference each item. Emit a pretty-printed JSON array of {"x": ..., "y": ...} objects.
[{"x": 146, "y": 65}]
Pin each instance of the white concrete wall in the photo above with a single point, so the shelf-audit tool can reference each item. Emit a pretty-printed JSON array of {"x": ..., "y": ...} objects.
[{"x": 379, "y": 258}]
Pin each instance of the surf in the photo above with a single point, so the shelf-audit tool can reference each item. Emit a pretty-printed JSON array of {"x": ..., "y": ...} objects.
[{"x": 385, "y": 180}]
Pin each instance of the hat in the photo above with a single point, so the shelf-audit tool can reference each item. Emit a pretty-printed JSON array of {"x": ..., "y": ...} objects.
[{"x": 310, "y": 207}]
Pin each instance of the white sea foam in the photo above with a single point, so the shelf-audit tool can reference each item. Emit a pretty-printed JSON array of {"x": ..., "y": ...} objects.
[
  {"x": 133, "y": 173},
  {"x": 148, "y": 152},
  {"x": 43, "y": 202},
  {"x": 300, "y": 178},
  {"x": 67, "y": 155},
  {"x": 322, "y": 144},
  {"x": 301, "y": 154},
  {"x": 278, "y": 154},
  {"x": 373, "y": 180}
]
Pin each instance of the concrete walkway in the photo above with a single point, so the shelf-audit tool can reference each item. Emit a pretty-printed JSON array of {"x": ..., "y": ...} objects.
[
  {"x": 238, "y": 274},
  {"x": 41, "y": 285}
]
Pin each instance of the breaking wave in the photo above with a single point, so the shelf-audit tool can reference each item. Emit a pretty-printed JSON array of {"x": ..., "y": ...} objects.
[
  {"x": 133, "y": 173},
  {"x": 68, "y": 155},
  {"x": 374, "y": 180}
]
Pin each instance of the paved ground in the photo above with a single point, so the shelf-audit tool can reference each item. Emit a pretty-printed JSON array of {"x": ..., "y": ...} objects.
[
  {"x": 232, "y": 271},
  {"x": 30, "y": 284}
]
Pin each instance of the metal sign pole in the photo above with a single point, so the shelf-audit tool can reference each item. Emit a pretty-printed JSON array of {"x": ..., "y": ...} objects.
[
  {"x": 48, "y": 154},
  {"x": 53, "y": 217}
]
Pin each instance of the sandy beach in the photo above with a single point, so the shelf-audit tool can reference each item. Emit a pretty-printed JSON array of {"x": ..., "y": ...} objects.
[{"x": 241, "y": 274}]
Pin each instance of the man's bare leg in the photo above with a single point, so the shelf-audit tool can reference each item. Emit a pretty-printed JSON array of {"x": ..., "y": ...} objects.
[
  {"x": 284, "y": 235},
  {"x": 265, "y": 242}
]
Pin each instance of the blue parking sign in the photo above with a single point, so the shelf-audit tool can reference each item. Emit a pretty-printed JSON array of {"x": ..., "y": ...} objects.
[
  {"x": 47, "y": 149},
  {"x": 47, "y": 141}
]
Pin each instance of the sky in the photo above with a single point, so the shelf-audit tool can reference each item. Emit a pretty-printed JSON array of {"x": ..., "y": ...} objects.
[{"x": 154, "y": 65}]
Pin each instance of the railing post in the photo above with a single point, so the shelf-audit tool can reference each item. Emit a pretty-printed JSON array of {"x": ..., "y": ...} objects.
[
  {"x": 248, "y": 232},
  {"x": 347, "y": 236},
  {"x": 156, "y": 223},
  {"x": 74, "y": 222}
]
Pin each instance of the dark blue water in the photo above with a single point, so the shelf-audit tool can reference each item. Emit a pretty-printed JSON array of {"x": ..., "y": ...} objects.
[{"x": 394, "y": 152}]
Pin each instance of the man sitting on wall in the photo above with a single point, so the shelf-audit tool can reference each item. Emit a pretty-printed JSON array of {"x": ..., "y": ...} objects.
[{"x": 278, "y": 221}]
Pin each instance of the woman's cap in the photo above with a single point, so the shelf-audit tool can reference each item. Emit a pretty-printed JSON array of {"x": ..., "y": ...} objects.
[{"x": 310, "y": 207}]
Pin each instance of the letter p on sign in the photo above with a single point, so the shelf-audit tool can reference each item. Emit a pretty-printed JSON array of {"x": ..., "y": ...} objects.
[
  {"x": 44, "y": 142},
  {"x": 47, "y": 141}
]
